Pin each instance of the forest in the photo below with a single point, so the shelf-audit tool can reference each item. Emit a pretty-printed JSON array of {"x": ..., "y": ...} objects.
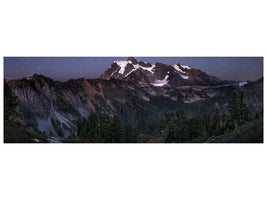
[
  {"x": 178, "y": 128},
  {"x": 101, "y": 128}
]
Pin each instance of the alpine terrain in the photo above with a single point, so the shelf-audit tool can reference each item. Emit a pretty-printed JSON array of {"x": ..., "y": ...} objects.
[{"x": 130, "y": 93}]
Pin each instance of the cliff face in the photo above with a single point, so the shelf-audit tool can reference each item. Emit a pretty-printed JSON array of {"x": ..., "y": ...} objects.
[
  {"x": 41, "y": 103},
  {"x": 53, "y": 106}
]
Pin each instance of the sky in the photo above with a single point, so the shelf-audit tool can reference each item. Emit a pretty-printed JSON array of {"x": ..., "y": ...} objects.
[{"x": 65, "y": 68}]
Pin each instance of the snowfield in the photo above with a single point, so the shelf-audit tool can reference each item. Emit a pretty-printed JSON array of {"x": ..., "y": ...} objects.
[
  {"x": 123, "y": 65},
  {"x": 150, "y": 69},
  {"x": 178, "y": 69},
  {"x": 243, "y": 83},
  {"x": 160, "y": 83},
  {"x": 185, "y": 67},
  {"x": 184, "y": 77}
]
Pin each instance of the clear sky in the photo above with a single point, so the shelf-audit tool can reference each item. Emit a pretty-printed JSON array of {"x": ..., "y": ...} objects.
[{"x": 65, "y": 68}]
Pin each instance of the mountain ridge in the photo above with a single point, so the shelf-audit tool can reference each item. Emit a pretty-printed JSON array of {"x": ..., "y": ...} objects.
[{"x": 177, "y": 75}]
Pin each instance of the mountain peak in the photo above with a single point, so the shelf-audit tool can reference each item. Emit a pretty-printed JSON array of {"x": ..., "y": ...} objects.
[
  {"x": 32, "y": 76},
  {"x": 38, "y": 77},
  {"x": 177, "y": 75},
  {"x": 134, "y": 61}
]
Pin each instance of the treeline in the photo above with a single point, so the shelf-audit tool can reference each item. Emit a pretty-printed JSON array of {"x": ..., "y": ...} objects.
[
  {"x": 10, "y": 104},
  {"x": 182, "y": 129},
  {"x": 101, "y": 128}
]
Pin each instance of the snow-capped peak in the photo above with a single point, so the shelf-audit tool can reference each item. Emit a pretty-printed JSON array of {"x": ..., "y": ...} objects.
[
  {"x": 123, "y": 65},
  {"x": 137, "y": 66}
]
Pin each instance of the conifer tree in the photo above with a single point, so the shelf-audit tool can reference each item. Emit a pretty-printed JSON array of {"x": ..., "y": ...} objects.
[
  {"x": 10, "y": 104},
  {"x": 178, "y": 128},
  {"x": 130, "y": 136},
  {"x": 243, "y": 109},
  {"x": 117, "y": 130},
  {"x": 94, "y": 131},
  {"x": 105, "y": 127},
  {"x": 79, "y": 127},
  {"x": 233, "y": 110},
  {"x": 217, "y": 122}
]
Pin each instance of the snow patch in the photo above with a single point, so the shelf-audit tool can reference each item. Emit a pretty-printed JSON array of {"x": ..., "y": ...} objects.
[
  {"x": 112, "y": 73},
  {"x": 185, "y": 67},
  {"x": 243, "y": 83},
  {"x": 130, "y": 72},
  {"x": 184, "y": 77},
  {"x": 62, "y": 119},
  {"x": 193, "y": 99},
  {"x": 36, "y": 140},
  {"x": 211, "y": 94},
  {"x": 146, "y": 98},
  {"x": 160, "y": 83},
  {"x": 122, "y": 65},
  {"x": 166, "y": 95},
  {"x": 53, "y": 139},
  {"x": 178, "y": 69},
  {"x": 174, "y": 98},
  {"x": 151, "y": 92},
  {"x": 150, "y": 69}
]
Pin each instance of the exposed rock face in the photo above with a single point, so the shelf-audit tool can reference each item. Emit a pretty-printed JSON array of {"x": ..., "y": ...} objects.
[{"x": 136, "y": 91}]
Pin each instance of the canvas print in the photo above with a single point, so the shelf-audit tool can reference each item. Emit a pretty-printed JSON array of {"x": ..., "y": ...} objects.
[{"x": 133, "y": 100}]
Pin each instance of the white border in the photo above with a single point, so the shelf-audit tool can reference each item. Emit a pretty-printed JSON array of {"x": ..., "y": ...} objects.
[{"x": 137, "y": 28}]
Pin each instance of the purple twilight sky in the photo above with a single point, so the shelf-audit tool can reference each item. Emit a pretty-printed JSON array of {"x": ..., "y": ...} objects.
[{"x": 65, "y": 68}]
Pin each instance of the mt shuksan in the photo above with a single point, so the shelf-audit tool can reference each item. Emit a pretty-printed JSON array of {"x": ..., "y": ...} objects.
[{"x": 173, "y": 75}]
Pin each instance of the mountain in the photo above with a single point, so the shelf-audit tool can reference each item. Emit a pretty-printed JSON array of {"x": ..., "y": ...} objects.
[
  {"x": 159, "y": 75},
  {"x": 231, "y": 81},
  {"x": 53, "y": 106},
  {"x": 137, "y": 92}
]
